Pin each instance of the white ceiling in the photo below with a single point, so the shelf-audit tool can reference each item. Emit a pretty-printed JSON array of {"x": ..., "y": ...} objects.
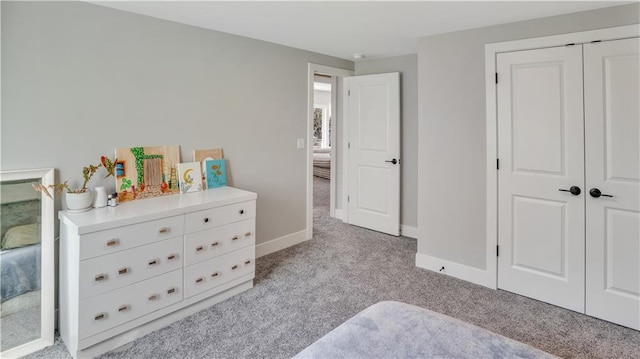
[{"x": 342, "y": 29}]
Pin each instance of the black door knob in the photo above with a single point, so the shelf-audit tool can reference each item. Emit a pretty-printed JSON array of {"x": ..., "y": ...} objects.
[
  {"x": 393, "y": 161},
  {"x": 595, "y": 193},
  {"x": 574, "y": 190}
]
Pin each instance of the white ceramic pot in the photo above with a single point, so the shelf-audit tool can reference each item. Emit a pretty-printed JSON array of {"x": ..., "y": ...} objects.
[{"x": 78, "y": 202}]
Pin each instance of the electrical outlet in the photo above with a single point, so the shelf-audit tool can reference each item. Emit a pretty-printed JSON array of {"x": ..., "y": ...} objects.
[{"x": 300, "y": 143}]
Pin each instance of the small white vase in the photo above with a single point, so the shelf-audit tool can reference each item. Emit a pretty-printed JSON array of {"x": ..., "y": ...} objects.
[
  {"x": 100, "y": 197},
  {"x": 77, "y": 202}
]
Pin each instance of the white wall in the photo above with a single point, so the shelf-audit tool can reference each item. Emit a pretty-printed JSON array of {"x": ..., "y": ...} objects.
[
  {"x": 79, "y": 80},
  {"x": 451, "y": 104},
  {"x": 321, "y": 97},
  {"x": 407, "y": 66}
]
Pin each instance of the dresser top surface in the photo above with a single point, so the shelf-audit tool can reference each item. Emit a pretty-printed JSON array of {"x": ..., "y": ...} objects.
[{"x": 149, "y": 209}]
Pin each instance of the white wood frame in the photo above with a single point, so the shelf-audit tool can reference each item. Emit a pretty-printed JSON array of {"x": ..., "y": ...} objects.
[
  {"x": 345, "y": 149},
  {"x": 491, "y": 52},
  {"x": 47, "y": 279},
  {"x": 333, "y": 71},
  {"x": 333, "y": 139}
]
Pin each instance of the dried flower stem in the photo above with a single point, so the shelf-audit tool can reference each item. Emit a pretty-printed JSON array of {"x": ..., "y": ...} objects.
[{"x": 87, "y": 173}]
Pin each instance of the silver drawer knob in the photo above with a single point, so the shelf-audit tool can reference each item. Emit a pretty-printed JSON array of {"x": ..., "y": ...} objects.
[
  {"x": 214, "y": 274},
  {"x": 122, "y": 271},
  {"x": 123, "y": 308},
  {"x": 100, "y": 316},
  {"x": 215, "y": 244},
  {"x": 171, "y": 257},
  {"x": 171, "y": 291},
  {"x": 153, "y": 297},
  {"x": 199, "y": 248},
  {"x": 234, "y": 238},
  {"x": 153, "y": 262},
  {"x": 247, "y": 234},
  {"x": 199, "y": 280},
  {"x": 101, "y": 277},
  {"x": 234, "y": 267},
  {"x": 247, "y": 261}
]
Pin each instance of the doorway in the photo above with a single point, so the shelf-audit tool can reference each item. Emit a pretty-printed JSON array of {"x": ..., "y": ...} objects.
[
  {"x": 332, "y": 140},
  {"x": 323, "y": 143}
]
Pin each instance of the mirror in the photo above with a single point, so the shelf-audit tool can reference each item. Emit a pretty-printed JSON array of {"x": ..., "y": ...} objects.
[{"x": 26, "y": 262}]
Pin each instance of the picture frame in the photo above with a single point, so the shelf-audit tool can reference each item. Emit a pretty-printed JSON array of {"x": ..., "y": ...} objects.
[
  {"x": 215, "y": 173},
  {"x": 189, "y": 177}
]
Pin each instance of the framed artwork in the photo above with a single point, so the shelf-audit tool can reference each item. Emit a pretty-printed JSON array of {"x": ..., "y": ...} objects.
[
  {"x": 215, "y": 173},
  {"x": 203, "y": 155},
  {"x": 145, "y": 172},
  {"x": 189, "y": 177}
]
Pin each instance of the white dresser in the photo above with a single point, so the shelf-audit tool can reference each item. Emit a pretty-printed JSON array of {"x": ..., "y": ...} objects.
[{"x": 128, "y": 270}]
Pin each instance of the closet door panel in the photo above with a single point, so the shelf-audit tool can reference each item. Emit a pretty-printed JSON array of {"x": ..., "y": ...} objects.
[
  {"x": 541, "y": 151},
  {"x": 612, "y": 134}
]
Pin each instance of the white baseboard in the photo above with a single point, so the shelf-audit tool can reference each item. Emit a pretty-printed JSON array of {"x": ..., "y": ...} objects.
[
  {"x": 457, "y": 270},
  {"x": 409, "y": 231},
  {"x": 281, "y": 243}
]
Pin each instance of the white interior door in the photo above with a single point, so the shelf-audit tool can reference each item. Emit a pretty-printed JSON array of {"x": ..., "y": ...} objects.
[
  {"x": 541, "y": 154},
  {"x": 612, "y": 132},
  {"x": 373, "y": 162}
]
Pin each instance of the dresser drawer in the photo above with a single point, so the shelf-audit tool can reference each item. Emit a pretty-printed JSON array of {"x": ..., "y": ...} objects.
[
  {"x": 122, "y": 305},
  {"x": 203, "y": 245},
  {"x": 219, "y": 270},
  {"x": 105, "y": 273},
  {"x": 201, "y": 220},
  {"x": 121, "y": 238}
]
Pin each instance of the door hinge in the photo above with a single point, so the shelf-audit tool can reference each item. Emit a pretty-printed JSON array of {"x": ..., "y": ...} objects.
[
  {"x": 497, "y": 163},
  {"x": 496, "y": 77},
  {"x": 497, "y": 251},
  {"x": 348, "y": 145},
  {"x": 348, "y": 92},
  {"x": 348, "y": 199}
]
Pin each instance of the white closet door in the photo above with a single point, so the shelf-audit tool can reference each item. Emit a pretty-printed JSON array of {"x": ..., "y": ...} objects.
[
  {"x": 612, "y": 128},
  {"x": 541, "y": 151}
]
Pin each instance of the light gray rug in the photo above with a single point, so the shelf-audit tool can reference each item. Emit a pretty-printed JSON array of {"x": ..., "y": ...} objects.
[
  {"x": 305, "y": 291},
  {"x": 399, "y": 330}
]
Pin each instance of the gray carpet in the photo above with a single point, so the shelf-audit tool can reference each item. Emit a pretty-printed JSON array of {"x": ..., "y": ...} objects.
[{"x": 305, "y": 291}]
